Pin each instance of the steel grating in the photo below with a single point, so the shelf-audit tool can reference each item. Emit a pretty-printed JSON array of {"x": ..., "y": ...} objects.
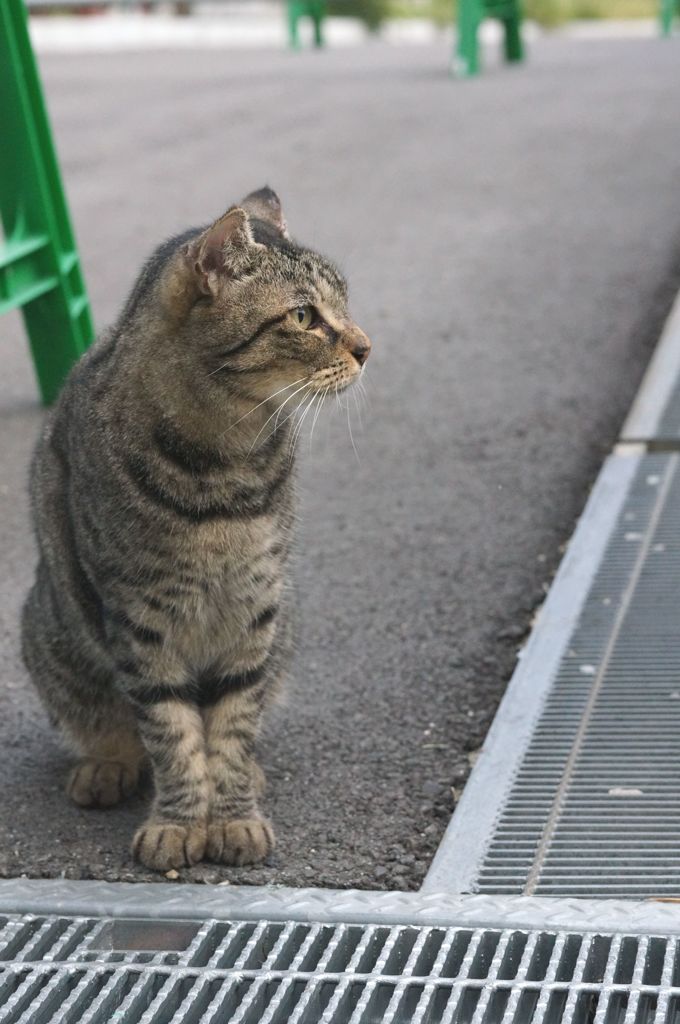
[
  {"x": 592, "y": 808},
  {"x": 59, "y": 970}
]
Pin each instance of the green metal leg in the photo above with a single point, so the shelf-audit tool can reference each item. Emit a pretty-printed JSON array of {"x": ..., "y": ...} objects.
[
  {"x": 314, "y": 9},
  {"x": 317, "y": 12},
  {"x": 467, "y": 52},
  {"x": 513, "y": 38},
  {"x": 39, "y": 264},
  {"x": 667, "y": 12},
  {"x": 470, "y": 16},
  {"x": 293, "y": 9}
]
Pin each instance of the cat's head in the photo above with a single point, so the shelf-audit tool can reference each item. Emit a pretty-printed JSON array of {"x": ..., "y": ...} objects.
[{"x": 266, "y": 309}]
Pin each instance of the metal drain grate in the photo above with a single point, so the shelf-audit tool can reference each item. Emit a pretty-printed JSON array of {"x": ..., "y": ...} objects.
[
  {"x": 87, "y": 971},
  {"x": 594, "y": 806}
]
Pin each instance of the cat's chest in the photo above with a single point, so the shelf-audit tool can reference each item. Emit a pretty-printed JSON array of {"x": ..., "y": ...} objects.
[
  {"x": 224, "y": 552},
  {"x": 227, "y": 575}
]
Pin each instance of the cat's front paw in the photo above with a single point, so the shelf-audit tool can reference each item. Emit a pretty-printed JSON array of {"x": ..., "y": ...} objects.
[
  {"x": 240, "y": 841},
  {"x": 94, "y": 783},
  {"x": 165, "y": 845}
]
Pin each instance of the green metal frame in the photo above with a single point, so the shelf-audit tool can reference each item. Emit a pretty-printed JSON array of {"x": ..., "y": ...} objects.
[
  {"x": 314, "y": 9},
  {"x": 39, "y": 264},
  {"x": 667, "y": 11},
  {"x": 471, "y": 13}
]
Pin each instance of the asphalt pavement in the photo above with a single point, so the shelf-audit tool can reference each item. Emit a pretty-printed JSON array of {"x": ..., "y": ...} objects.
[{"x": 512, "y": 245}]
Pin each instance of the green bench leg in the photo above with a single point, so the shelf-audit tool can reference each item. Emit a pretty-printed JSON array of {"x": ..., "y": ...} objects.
[
  {"x": 39, "y": 264},
  {"x": 667, "y": 12},
  {"x": 471, "y": 13},
  {"x": 466, "y": 61},
  {"x": 317, "y": 12},
  {"x": 513, "y": 38},
  {"x": 294, "y": 14},
  {"x": 314, "y": 9}
]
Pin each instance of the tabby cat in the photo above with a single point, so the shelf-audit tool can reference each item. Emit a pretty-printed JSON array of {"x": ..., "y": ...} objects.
[{"x": 158, "y": 626}]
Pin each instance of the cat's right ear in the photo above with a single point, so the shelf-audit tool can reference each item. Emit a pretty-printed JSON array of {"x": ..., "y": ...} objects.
[
  {"x": 226, "y": 249},
  {"x": 265, "y": 205}
]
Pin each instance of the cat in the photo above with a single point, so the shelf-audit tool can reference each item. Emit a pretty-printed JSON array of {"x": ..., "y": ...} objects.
[{"x": 158, "y": 627}]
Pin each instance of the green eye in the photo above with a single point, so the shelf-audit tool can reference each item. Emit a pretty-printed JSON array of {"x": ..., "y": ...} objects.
[{"x": 304, "y": 316}]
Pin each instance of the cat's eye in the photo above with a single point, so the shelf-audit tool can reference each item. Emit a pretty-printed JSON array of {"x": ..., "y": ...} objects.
[{"x": 304, "y": 316}]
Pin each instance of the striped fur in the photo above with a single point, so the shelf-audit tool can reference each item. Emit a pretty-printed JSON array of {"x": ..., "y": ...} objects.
[{"x": 159, "y": 627}]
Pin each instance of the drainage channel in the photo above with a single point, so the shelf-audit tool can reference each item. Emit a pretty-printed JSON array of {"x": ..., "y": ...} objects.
[
  {"x": 551, "y": 898},
  {"x": 397, "y": 959},
  {"x": 579, "y": 778},
  {"x": 86, "y": 970},
  {"x": 590, "y": 807}
]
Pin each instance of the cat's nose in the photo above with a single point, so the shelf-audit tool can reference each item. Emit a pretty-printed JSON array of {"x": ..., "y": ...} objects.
[{"x": 359, "y": 346}]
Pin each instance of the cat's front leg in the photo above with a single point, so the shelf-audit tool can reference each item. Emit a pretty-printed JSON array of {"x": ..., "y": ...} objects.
[
  {"x": 174, "y": 835},
  {"x": 237, "y": 832},
  {"x": 155, "y": 681}
]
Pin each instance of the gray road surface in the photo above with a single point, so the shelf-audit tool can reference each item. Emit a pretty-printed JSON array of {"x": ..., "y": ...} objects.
[{"x": 512, "y": 244}]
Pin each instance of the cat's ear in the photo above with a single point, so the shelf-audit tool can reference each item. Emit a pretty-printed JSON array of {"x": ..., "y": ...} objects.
[
  {"x": 265, "y": 205},
  {"x": 226, "y": 249}
]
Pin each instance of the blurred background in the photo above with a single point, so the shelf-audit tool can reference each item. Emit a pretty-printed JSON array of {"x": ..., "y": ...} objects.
[{"x": 373, "y": 14}]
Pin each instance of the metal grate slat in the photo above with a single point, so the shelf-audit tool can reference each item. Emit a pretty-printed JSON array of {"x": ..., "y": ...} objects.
[
  {"x": 488, "y": 991},
  {"x": 27, "y": 992},
  {"x": 136, "y": 992},
  {"x": 102, "y": 1003},
  {"x": 165, "y": 1003},
  {"x": 71, "y": 937},
  {"x": 401, "y": 991}
]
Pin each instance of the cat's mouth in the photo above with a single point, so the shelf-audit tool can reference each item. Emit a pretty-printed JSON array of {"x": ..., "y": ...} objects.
[
  {"x": 344, "y": 384},
  {"x": 335, "y": 379}
]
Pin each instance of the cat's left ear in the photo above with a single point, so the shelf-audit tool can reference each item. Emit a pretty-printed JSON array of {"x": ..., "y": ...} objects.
[
  {"x": 265, "y": 205},
  {"x": 226, "y": 249}
]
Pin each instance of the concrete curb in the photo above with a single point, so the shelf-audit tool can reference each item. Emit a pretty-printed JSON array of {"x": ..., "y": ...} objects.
[{"x": 644, "y": 421}]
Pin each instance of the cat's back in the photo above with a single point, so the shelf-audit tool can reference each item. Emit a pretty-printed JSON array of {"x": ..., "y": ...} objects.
[{"x": 70, "y": 428}]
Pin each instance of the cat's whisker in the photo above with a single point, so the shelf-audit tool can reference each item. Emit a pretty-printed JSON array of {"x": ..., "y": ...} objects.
[
  {"x": 213, "y": 372},
  {"x": 286, "y": 418},
  {"x": 298, "y": 426},
  {"x": 351, "y": 436},
  {"x": 290, "y": 416},
  {"x": 276, "y": 421},
  {"x": 277, "y": 413},
  {"x": 358, "y": 409},
  {"x": 316, "y": 402},
  {"x": 264, "y": 402},
  {"x": 362, "y": 390},
  {"x": 322, "y": 395}
]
